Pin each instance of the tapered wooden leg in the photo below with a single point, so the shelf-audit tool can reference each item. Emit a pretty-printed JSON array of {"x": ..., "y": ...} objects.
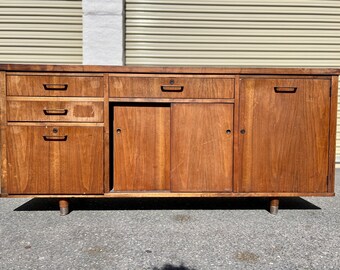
[
  {"x": 274, "y": 206},
  {"x": 63, "y": 205}
]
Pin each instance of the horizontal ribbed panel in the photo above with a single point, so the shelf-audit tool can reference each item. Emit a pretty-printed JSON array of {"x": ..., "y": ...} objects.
[
  {"x": 290, "y": 3},
  {"x": 228, "y": 40},
  {"x": 40, "y": 27},
  {"x": 267, "y": 8},
  {"x": 231, "y": 54},
  {"x": 230, "y": 32},
  {"x": 233, "y": 47},
  {"x": 44, "y": 31},
  {"x": 231, "y": 62},
  {"x": 229, "y": 24},
  {"x": 234, "y": 33},
  {"x": 39, "y": 4},
  {"x": 236, "y": 17},
  {"x": 39, "y": 43},
  {"x": 191, "y": 32}
]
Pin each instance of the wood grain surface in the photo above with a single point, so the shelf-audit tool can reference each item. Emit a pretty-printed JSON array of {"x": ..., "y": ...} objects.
[
  {"x": 141, "y": 147},
  {"x": 167, "y": 194},
  {"x": 59, "y": 86},
  {"x": 61, "y": 111},
  {"x": 286, "y": 140},
  {"x": 171, "y": 70},
  {"x": 3, "y": 138},
  {"x": 51, "y": 165},
  {"x": 332, "y": 134},
  {"x": 172, "y": 139},
  {"x": 201, "y": 148},
  {"x": 171, "y": 87},
  {"x": 107, "y": 165}
]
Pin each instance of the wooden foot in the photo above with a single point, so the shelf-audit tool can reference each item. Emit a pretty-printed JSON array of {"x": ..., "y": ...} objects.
[
  {"x": 63, "y": 205},
  {"x": 274, "y": 206}
]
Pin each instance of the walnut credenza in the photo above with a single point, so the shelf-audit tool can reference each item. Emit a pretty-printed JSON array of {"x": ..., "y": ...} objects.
[{"x": 104, "y": 131}]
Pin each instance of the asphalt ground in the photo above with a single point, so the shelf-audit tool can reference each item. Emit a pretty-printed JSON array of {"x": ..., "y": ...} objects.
[{"x": 171, "y": 234}]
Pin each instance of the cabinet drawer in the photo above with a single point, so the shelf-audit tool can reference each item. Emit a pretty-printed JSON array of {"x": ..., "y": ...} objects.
[
  {"x": 55, "y": 111},
  {"x": 47, "y": 85},
  {"x": 55, "y": 160},
  {"x": 172, "y": 87}
]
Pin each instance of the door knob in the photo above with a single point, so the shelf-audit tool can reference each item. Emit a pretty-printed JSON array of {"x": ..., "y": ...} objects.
[
  {"x": 243, "y": 131},
  {"x": 118, "y": 130}
]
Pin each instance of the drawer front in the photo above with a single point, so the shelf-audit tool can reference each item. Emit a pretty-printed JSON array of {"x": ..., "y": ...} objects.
[
  {"x": 67, "y": 111},
  {"x": 62, "y": 86},
  {"x": 172, "y": 87},
  {"x": 55, "y": 160}
]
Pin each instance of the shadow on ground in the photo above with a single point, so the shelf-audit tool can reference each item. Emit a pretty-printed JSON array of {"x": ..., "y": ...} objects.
[
  {"x": 173, "y": 267},
  {"x": 80, "y": 204}
]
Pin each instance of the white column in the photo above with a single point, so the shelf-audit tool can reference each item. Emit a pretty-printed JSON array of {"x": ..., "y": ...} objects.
[{"x": 103, "y": 41}]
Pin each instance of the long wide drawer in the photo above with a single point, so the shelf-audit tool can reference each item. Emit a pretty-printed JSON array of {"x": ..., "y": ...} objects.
[
  {"x": 171, "y": 86},
  {"x": 67, "y": 111},
  {"x": 53, "y": 85}
]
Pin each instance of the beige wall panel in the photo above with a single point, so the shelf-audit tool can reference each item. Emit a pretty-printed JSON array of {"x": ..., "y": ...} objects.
[
  {"x": 286, "y": 33},
  {"x": 41, "y": 31}
]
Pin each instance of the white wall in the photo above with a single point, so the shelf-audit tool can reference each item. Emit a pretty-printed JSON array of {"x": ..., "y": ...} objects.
[{"x": 103, "y": 42}]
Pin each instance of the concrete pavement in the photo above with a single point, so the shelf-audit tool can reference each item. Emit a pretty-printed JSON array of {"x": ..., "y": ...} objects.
[{"x": 171, "y": 234}]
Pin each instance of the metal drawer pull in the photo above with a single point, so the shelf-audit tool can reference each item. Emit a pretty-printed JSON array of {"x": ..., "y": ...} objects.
[
  {"x": 55, "y": 138},
  {"x": 55, "y": 87},
  {"x": 172, "y": 88},
  {"x": 55, "y": 111},
  {"x": 278, "y": 89}
]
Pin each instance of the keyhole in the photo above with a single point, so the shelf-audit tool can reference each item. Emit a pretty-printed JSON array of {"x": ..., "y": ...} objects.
[
  {"x": 118, "y": 130},
  {"x": 55, "y": 130},
  {"x": 172, "y": 82}
]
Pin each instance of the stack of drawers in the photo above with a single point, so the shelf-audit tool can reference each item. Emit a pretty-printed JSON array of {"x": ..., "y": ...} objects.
[{"x": 55, "y": 133}]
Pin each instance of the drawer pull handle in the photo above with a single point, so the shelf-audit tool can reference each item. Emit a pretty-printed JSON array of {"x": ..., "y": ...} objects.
[
  {"x": 55, "y": 87},
  {"x": 55, "y": 138},
  {"x": 278, "y": 89},
  {"x": 55, "y": 111},
  {"x": 172, "y": 88}
]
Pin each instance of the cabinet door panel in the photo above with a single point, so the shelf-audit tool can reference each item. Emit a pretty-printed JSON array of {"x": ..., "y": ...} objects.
[
  {"x": 285, "y": 144},
  {"x": 141, "y": 147},
  {"x": 55, "y": 160},
  {"x": 201, "y": 148},
  {"x": 79, "y": 168},
  {"x": 28, "y": 160}
]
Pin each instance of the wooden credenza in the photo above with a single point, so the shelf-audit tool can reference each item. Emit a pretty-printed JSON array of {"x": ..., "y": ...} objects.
[{"x": 104, "y": 131}]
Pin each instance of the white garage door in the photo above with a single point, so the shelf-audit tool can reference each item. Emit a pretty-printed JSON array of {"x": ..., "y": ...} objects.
[
  {"x": 41, "y": 31},
  {"x": 234, "y": 33}
]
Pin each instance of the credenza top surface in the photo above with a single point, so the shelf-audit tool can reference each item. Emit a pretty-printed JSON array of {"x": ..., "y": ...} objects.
[{"x": 171, "y": 70}]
